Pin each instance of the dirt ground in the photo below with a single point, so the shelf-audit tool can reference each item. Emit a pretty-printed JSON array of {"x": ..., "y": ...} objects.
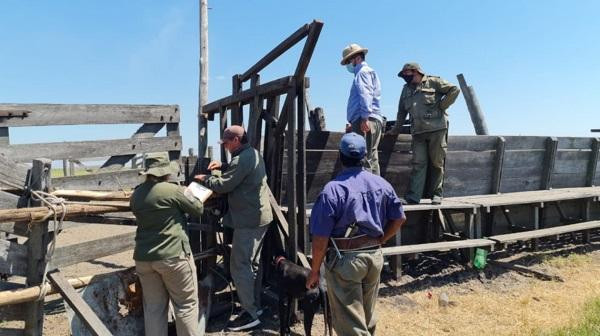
[{"x": 496, "y": 301}]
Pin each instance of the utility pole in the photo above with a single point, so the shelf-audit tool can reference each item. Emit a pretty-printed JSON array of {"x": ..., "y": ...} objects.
[{"x": 203, "y": 82}]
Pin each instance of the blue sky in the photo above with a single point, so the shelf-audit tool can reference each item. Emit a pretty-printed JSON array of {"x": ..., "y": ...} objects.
[{"x": 534, "y": 65}]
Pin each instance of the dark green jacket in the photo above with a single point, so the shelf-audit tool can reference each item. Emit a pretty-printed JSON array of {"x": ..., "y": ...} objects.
[
  {"x": 159, "y": 209},
  {"x": 427, "y": 104},
  {"x": 244, "y": 180}
]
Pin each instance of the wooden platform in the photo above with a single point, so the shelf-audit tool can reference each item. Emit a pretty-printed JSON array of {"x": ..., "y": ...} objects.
[{"x": 529, "y": 197}]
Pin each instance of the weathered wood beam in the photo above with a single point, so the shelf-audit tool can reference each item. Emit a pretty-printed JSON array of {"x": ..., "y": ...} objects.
[
  {"x": 93, "y": 195},
  {"x": 87, "y": 149},
  {"x": 36, "y": 214},
  {"x": 37, "y": 246},
  {"x": 593, "y": 162},
  {"x": 16, "y": 296},
  {"x": 254, "y": 120},
  {"x": 272, "y": 88},
  {"x": 81, "y": 308},
  {"x": 477, "y": 116},
  {"x": 118, "y": 161},
  {"x": 116, "y": 180},
  {"x": 276, "y": 52},
  {"x": 87, "y": 114},
  {"x": 549, "y": 159},
  {"x": 498, "y": 163},
  {"x": 90, "y": 250},
  {"x": 237, "y": 116},
  {"x": 292, "y": 246}
]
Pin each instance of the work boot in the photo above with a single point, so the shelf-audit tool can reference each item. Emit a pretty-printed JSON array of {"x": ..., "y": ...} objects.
[
  {"x": 244, "y": 321},
  {"x": 436, "y": 200}
]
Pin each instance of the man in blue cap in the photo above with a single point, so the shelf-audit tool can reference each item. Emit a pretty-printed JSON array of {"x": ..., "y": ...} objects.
[{"x": 353, "y": 216}]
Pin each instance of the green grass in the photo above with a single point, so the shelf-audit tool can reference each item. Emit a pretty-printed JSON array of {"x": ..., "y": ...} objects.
[{"x": 588, "y": 326}]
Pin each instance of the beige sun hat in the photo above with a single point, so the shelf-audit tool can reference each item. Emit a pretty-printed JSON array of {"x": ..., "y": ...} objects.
[
  {"x": 158, "y": 164},
  {"x": 350, "y": 51}
]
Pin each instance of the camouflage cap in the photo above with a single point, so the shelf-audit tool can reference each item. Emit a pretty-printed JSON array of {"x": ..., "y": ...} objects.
[
  {"x": 411, "y": 66},
  {"x": 158, "y": 164}
]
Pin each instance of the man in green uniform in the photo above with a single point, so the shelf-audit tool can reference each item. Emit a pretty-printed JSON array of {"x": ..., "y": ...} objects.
[
  {"x": 163, "y": 258},
  {"x": 425, "y": 98},
  {"x": 244, "y": 180}
]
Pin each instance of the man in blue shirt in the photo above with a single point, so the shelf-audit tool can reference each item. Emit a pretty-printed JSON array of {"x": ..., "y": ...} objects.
[
  {"x": 363, "y": 112},
  {"x": 353, "y": 216}
]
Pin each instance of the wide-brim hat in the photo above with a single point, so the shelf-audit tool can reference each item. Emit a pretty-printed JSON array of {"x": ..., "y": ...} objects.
[
  {"x": 159, "y": 165},
  {"x": 350, "y": 51},
  {"x": 411, "y": 66}
]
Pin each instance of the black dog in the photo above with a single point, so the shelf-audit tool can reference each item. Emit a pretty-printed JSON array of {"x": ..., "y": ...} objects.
[{"x": 292, "y": 285}]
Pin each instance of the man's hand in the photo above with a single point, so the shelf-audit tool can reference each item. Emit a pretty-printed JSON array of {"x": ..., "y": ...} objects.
[
  {"x": 214, "y": 165},
  {"x": 313, "y": 279},
  {"x": 200, "y": 177},
  {"x": 364, "y": 126},
  {"x": 348, "y": 128}
]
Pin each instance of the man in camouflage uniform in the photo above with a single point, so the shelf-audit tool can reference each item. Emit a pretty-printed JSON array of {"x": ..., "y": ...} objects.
[{"x": 425, "y": 98}]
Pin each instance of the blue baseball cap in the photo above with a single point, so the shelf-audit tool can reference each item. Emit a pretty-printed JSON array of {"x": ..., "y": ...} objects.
[{"x": 353, "y": 145}]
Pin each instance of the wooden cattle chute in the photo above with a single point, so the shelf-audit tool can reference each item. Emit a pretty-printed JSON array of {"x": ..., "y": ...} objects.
[{"x": 29, "y": 260}]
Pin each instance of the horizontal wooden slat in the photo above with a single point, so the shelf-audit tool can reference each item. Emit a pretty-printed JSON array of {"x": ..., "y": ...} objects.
[
  {"x": 514, "y": 142},
  {"x": 574, "y": 143},
  {"x": 90, "y": 250},
  {"x": 88, "y": 114},
  {"x": 88, "y": 149},
  {"x": 12, "y": 332},
  {"x": 527, "y": 235},
  {"x": 13, "y": 258},
  {"x": 101, "y": 181},
  {"x": 278, "y": 86},
  {"x": 440, "y": 246}
]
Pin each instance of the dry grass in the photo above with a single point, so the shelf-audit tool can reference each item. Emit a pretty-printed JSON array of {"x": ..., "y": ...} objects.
[{"x": 534, "y": 308}]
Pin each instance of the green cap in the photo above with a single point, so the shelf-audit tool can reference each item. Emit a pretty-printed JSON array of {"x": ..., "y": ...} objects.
[
  {"x": 411, "y": 66},
  {"x": 158, "y": 164}
]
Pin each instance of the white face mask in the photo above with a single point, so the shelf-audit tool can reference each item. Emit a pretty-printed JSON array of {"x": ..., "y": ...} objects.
[{"x": 350, "y": 68}]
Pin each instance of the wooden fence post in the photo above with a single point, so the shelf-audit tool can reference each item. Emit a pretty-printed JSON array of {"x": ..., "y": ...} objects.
[
  {"x": 37, "y": 246},
  {"x": 477, "y": 116}
]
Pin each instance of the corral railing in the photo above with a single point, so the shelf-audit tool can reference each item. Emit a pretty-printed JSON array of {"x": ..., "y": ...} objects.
[{"x": 110, "y": 175}]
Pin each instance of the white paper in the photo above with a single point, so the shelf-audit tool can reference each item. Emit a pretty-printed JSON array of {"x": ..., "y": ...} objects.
[{"x": 197, "y": 191}]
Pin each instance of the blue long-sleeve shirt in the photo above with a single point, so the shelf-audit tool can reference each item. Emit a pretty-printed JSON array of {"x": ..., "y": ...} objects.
[
  {"x": 355, "y": 196},
  {"x": 365, "y": 94}
]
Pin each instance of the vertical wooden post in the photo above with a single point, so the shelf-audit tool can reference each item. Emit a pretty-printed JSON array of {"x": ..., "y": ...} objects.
[
  {"x": 173, "y": 131},
  {"x": 551, "y": 149},
  {"x": 477, "y": 116},
  {"x": 237, "y": 116},
  {"x": 71, "y": 168},
  {"x": 37, "y": 246},
  {"x": 303, "y": 234},
  {"x": 593, "y": 162},
  {"x": 396, "y": 260},
  {"x": 470, "y": 231},
  {"x": 535, "y": 217},
  {"x": 291, "y": 193},
  {"x": 222, "y": 127},
  {"x": 65, "y": 168},
  {"x": 498, "y": 163},
  {"x": 254, "y": 120}
]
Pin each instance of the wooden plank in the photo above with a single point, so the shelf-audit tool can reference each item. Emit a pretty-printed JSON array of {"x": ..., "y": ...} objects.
[
  {"x": 237, "y": 116},
  {"x": 292, "y": 246},
  {"x": 574, "y": 143},
  {"x": 549, "y": 159},
  {"x": 529, "y": 197},
  {"x": 571, "y": 162},
  {"x": 88, "y": 114},
  {"x": 8, "y": 200},
  {"x": 281, "y": 48},
  {"x": 37, "y": 246},
  {"x": 89, "y": 149},
  {"x": 81, "y": 308},
  {"x": 568, "y": 180},
  {"x": 101, "y": 181},
  {"x": 278, "y": 214},
  {"x": 593, "y": 162},
  {"x": 439, "y": 246},
  {"x": 303, "y": 234},
  {"x": 4, "y": 136},
  {"x": 517, "y": 142},
  {"x": 118, "y": 161},
  {"x": 553, "y": 231},
  {"x": 254, "y": 129},
  {"x": 90, "y": 250},
  {"x": 498, "y": 164},
  {"x": 13, "y": 258},
  {"x": 272, "y": 88}
]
